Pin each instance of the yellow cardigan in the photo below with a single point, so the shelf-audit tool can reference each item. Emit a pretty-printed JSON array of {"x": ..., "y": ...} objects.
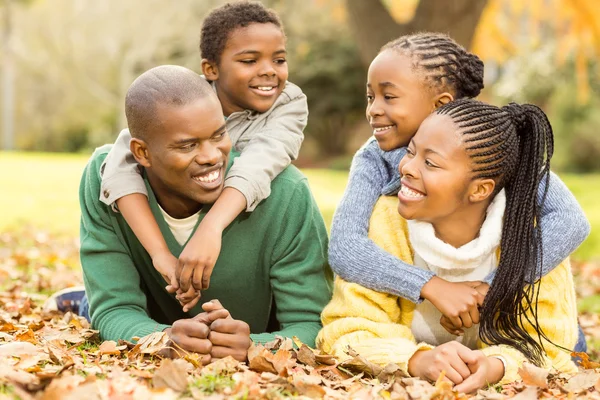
[{"x": 377, "y": 325}]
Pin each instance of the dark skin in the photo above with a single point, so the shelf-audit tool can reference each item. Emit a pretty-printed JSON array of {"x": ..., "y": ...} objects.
[
  {"x": 398, "y": 101},
  {"x": 443, "y": 192},
  {"x": 188, "y": 146}
]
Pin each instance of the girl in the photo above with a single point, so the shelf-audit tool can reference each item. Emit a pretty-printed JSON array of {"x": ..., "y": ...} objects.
[
  {"x": 411, "y": 77},
  {"x": 468, "y": 206}
]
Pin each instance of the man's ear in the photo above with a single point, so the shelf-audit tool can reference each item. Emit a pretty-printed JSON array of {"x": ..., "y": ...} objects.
[
  {"x": 210, "y": 70},
  {"x": 139, "y": 149},
  {"x": 481, "y": 189},
  {"x": 442, "y": 98}
]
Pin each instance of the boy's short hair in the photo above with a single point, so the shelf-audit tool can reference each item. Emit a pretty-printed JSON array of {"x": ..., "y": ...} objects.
[
  {"x": 169, "y": 85},
  {"x": 220, "y": 22}
]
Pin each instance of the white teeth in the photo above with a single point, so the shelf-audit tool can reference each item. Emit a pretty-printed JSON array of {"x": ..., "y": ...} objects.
[
  {"x": 265, "y": 88},
  {"x": 408, "y": 192},
  {"x": 383, "y": 128},
  {"x": 213, "y": 176}
]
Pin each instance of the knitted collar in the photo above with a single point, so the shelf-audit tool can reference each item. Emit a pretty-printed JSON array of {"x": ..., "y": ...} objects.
[{"x": 438, "y": 253}]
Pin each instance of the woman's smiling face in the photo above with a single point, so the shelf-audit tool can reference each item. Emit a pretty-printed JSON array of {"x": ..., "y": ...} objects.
[{"x": 436, "y": 172}]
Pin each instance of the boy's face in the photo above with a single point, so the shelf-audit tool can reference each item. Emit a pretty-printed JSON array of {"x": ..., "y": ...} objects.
[
  {"x": 397, "y": 99},
  {"x": 253, "y": 69},
  {"x": 187, "y": 155}
]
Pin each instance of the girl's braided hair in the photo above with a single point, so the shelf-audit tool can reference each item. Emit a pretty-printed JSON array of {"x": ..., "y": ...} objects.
[
  {"x": 445, "y": 63},
  {"x": 512, "y": 145}
]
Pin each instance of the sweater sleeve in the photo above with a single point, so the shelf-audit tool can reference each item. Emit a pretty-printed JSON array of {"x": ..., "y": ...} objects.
[
  {"x": 120, "y": 172},
  {"x": 112, "y": 282},
  {"x": 271, "y": 150},
  {"x": 355, "y": 257},
  {"x": 370, "y": 323},
  {"x": 300, "y": 277},
  {"x": 564, "y": 225},
  {"x": 557, "y": 318}
]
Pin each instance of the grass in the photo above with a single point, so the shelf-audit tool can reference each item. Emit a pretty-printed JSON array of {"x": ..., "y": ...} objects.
[{"x": 40, "y": 189}]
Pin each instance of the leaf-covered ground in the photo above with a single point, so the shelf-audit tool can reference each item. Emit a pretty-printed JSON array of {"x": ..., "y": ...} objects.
[{"x": 57, "y": 356}]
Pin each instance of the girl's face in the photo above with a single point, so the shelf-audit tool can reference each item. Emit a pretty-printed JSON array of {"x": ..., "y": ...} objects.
[
  {"x": 397, "y": 99},
  {"x": 252, "y": 71},
  {"x": 436, "y": 173}
]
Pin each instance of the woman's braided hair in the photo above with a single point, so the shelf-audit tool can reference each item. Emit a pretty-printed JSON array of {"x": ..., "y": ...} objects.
[
  {"x": 512, "y": 145},
  {"x": 445, "y": 63}
]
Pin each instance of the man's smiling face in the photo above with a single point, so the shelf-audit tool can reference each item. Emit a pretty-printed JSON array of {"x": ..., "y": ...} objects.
[{"x": 187, "y": 155}]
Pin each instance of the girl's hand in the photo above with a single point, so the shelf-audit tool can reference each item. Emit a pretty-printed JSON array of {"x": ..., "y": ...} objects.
[
  {"x": 486, "y": 371},
  {"x": 452, "y": 358},
  {"x": 482, "y": 288},
  {"x": 457, "y": 301}
]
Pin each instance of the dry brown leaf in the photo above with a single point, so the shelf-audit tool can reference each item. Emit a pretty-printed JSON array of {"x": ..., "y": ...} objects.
[
  {"x": 260, "y": 359},
  {"x": 19, "y": 349},
  {"x": 306, "y": 356},
  {"x": 110, "y": 347},
  {"x": 530, "y": 393},
  {"x": 309, "y": 386},
  {"x": 360, "y": 364},
  {"x": 227, "y": 366},
  {"x": 26, "y": 336},
  {"x": 282, "y": 360},
  {"x": 534, "y": 376},
  {"x": 585, "y": 361},
  {"x": 391, "y": 372},
  {"x": 171, "y": 374},
  {"x": 582, "y": 381},
  {"x": 154, "y": 343}
]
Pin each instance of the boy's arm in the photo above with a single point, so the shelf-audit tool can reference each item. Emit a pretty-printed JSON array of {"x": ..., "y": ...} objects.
[
  {"x": 564, "y": 225},
  {"x": 271, "y": 150},
  {"x": 248, "y": 182},
  {"x": 117, "y": 303},
  {"x": 120, "y": 172},
  {"x": 354, "y": 256},
  {"x": 299, "y": 275}
]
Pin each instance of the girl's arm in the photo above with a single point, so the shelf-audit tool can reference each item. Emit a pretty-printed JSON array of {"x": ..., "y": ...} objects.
[
  {"x": 564, "y": 225},
  {"x": 264, "y": 155},
  {"x": 352, "y": 255}
]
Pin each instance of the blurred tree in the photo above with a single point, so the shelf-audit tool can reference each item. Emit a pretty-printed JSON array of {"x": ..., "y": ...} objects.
[{"x": 373, "y": 24}]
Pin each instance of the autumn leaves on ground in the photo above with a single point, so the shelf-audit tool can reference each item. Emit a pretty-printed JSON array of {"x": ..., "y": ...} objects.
[{"x": 57, "y": 356}]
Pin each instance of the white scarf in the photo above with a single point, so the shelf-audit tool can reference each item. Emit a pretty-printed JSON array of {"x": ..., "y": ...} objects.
[{"x": 472, "y": 261}]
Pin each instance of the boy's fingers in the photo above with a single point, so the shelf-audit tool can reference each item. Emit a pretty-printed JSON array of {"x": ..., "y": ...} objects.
[
  {"x": 185, "y": 276},
  {"x": 206, "y": 275},
  {"x": 197, "y": 278}
]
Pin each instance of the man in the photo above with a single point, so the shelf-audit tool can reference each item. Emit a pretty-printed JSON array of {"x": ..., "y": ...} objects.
[{"x": 271, "y": 276}]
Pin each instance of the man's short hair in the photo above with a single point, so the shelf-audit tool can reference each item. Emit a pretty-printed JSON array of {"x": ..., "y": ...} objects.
[{"x": 169, "y": 85}]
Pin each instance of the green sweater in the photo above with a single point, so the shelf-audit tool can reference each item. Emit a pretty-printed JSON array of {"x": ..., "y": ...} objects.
[{"x": 272, "y": 272}]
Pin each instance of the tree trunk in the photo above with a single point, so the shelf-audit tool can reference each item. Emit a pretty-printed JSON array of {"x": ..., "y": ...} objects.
[{"x": 373, "y": 26}]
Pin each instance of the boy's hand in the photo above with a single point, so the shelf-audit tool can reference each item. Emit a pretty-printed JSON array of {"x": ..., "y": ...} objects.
[
  {"x": 485, "y": 371},
  {"x": 452, "y": 358},
  {"x": 458, "y": 301},
  {"x": 198, "y": 258},
  {"x": 166, "y": 263},
  {"x": 482, "y": 288},
  {"x": 229, "y": 337}
]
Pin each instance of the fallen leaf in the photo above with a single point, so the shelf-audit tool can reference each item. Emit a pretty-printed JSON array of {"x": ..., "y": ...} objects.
[
  {"x": 534, "y": 376},
  {"x": 26, "y": 336},
  {"x": 530, "y": 393},
  {"x": 360, "y": 364},
  {"x": 171, "y": 374},
  {"x": 18, "y": 349},
  {"x": 110, "y": 347},
  {"x": 582, "y": 381},
  {"x": 306, "y": 356},
  {"x": 585, "y": 361}
]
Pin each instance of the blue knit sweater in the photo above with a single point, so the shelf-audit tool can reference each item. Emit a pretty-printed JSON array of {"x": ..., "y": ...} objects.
[{"x": 354, "y": 257}]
